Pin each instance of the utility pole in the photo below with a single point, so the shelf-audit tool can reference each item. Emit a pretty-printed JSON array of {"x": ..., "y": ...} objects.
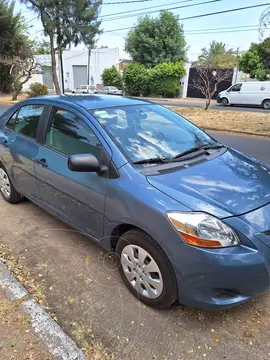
[
  {"x": 62, "y": 70},
  {"x": 88, "y": 65}
]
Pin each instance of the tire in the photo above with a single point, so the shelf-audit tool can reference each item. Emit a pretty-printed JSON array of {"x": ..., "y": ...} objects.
[
  {"x": 7, "y": 190},
  {"x": 73, "y": 92},
  {"x": 163, "y": 290},
  {"x": 266, "y": 104},
  {"x": 224, "y": 102}
]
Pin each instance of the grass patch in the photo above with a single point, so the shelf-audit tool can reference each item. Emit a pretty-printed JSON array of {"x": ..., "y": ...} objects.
[{"x": 235, "y": 121}]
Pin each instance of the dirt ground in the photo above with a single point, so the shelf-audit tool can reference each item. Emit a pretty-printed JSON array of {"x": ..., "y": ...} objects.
[
  {"x": 82, "y": 290},
  {"x": 17, "y": 340},
  {"x": 242, "y": 122}
]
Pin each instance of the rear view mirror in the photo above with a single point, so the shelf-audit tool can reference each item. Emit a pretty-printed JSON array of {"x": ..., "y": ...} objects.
[{"x": 85, "y": 163}]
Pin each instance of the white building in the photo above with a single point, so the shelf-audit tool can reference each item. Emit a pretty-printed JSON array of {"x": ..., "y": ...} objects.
[{"x": 75, "y": 67}]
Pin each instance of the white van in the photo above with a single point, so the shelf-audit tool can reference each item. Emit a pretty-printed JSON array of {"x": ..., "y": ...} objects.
[{"x": 247, "y": 93}]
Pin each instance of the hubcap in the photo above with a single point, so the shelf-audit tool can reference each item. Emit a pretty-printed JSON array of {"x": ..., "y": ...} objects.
[
  {"x": 4, "y": 183},
  {"x": 142, "y": 271},
  {"x": 267, "y": 105}
]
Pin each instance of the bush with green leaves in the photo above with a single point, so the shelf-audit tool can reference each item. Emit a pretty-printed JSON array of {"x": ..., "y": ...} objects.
[
  {"x": 112, "y": 77},
  {"x": 165, "y": 77},
  {"x": 37, "y": 89},
  {"x": 136, "y": 79}
]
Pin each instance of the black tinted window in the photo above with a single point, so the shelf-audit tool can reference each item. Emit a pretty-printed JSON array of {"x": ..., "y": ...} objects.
[
  {"x": 11, "y": 122},
  {"x": 27, "y": 120},
  {"x": 70, "y": 135},
  {"x": 236, "y": 87}
]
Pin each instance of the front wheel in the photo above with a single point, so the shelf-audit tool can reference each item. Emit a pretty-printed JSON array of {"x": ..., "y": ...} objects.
[
  {"x": 224, "y": 102},
  {"x": 266, "y": 104},
  {"x": 7, "y": 189},
  {"x": 146, "y": 270}
]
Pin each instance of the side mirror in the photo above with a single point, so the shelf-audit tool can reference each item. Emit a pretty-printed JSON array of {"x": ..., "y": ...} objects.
[{"x": 85, "y": 163}]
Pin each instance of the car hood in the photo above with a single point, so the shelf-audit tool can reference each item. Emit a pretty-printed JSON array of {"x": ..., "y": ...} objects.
[{"x": 231, "y": 184}]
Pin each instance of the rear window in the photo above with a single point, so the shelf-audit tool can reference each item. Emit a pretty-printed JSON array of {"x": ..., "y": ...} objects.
[{"x": 26, "y": 122}]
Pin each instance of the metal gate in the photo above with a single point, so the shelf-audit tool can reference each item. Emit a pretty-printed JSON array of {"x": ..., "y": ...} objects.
[
  {"x": 79, "y": 75},
  {"x": 47, "y": 77}
]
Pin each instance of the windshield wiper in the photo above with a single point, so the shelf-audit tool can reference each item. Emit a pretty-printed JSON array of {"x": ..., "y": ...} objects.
[
  {"x": 161, "y": 160},
  {"x": 157, "y": 160},
  {"x": 197, "y": 148}
]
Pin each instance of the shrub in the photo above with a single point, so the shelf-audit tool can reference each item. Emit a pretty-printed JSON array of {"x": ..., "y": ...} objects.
[
  {"x": 164, "y": 78},
  {"x": 136, "y": 79},
  {"x": 37, "y": 89},
  {"x": 112, "y": 77}
]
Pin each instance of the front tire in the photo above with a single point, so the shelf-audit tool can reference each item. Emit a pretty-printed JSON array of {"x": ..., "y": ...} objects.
[
  {"x": 224, "y": 102},
  {"x": 7, "y": 189},
  {"x": 266, "y": 104},
  {"x": 146, "y": 270}
]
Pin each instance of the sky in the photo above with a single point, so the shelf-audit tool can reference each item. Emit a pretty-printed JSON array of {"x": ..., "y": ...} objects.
[{"x": 223, "y": 25}]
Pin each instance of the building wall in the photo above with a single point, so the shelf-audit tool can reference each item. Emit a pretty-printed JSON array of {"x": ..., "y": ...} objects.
[{"x": 100, "y": 59}]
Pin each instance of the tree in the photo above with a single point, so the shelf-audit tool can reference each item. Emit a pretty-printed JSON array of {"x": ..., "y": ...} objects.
[
  {"x": 208, "y": 79},
  {"x": 12, "y": 28},
  {"x": 21, "y": 67},
  {"x": 41, "y": 47},
  {"x": 219, "y": 55},
  {"x": 66, "y": 22},
  {"x": 256, "y": 61},
  {"x": 157, "y": 40},
  {"x": 112, "y": 77}
]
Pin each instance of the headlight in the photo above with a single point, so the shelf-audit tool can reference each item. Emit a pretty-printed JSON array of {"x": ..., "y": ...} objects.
[{"x": 203, "y": 230}]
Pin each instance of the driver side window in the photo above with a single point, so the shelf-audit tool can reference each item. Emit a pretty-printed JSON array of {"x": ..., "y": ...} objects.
[
  {"x": 70, "y": 135},
  {"x": 236, "y": 87}
]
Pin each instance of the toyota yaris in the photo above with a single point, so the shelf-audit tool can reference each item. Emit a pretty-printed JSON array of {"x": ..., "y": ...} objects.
[{"x": 188, "y": 217}]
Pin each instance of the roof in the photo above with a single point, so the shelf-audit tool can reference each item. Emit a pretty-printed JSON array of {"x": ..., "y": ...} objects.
[{"x": 93, "y": 101}]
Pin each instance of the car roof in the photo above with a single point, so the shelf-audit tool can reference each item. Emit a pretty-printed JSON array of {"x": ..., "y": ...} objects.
[{"x": 90, "y": 102}]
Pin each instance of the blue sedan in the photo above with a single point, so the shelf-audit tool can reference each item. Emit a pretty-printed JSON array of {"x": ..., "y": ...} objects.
[{"x": 187, "y": 217}]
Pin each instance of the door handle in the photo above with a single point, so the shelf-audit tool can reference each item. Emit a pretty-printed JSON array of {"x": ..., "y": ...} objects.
[{"x": 42, "y": 162}]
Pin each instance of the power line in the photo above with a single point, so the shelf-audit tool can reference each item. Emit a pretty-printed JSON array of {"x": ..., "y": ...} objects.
[
  {"x": 126, "y": 2},
  {"x": 151, "y": 7},
  {"x": 202, "y": 15},
  {"x": 155, "y": 11}
]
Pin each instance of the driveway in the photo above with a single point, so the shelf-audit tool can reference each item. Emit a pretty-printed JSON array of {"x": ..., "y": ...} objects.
[{"x": 86, "y": 295}]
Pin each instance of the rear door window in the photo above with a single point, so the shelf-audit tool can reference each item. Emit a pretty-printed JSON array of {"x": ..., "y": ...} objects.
[{"x": 26, "y": 122}]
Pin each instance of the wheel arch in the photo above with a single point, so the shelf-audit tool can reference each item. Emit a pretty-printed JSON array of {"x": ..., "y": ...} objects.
[
  {"x": 118, "y": 231},
  {"x": 266, "y": 99}
]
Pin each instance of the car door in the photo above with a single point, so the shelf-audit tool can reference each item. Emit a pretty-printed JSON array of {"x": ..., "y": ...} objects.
[
  {"x": 235, "y": 95},
  {"x": 22, "y": 148},
  {"x": 77, "y": 197}
]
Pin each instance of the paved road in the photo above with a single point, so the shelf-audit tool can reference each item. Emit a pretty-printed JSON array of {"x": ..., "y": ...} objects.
[{"x": 214, "y": 106}]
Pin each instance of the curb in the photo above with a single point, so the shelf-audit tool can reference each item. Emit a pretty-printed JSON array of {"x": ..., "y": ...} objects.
[{"x": 58, "y": 344}]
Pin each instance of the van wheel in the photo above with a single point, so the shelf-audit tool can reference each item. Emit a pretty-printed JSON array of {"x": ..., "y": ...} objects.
[
  {"x": 224, "y": 102},
  {"x": 7, "y": 189},
  {"x": 266, "y": 104},
  {"x": 146, "y": 270}
]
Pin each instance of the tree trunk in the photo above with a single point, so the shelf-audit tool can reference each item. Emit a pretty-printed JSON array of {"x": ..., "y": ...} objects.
[
  {"x": 207, "y": 104},
  {"x": 16, "y": 93},
  {"x": 54, "y": 74}
]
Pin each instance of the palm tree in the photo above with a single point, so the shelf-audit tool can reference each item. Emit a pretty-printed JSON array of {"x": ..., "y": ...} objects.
[{"x": 216, "y": 48}]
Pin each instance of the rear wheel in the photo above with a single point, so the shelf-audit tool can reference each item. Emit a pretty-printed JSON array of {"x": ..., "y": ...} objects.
[
  {"x": 7, "y": 189},
  {"x": 224, "y": 102},
  {"x": 266, "y": 104},
  {"x": 146, "y": 270}
]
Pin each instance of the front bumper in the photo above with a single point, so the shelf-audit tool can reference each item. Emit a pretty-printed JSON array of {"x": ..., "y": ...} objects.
[
  {"x": 218, "y": 99},
  {"x": 222, "y": 278}
]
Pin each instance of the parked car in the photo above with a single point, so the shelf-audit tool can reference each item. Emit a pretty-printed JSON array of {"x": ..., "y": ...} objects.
[
  {"x": 247, "y": 93},
  {"x": 188, "y": 217},
  {"x": 110, "y": 90},
  {"x": 85, "y": 89}
]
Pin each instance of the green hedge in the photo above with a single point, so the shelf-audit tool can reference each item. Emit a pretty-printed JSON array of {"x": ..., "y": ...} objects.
[{"x": 161, "y": 80}]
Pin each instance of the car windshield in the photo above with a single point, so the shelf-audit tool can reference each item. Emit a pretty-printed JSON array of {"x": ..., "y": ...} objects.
[
  {"x": 113, "y": 88},
  {"x": 150, "y": 131}
]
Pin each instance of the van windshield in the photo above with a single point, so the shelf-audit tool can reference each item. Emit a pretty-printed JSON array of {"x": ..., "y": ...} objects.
[{"x": 150, "y": 131}]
